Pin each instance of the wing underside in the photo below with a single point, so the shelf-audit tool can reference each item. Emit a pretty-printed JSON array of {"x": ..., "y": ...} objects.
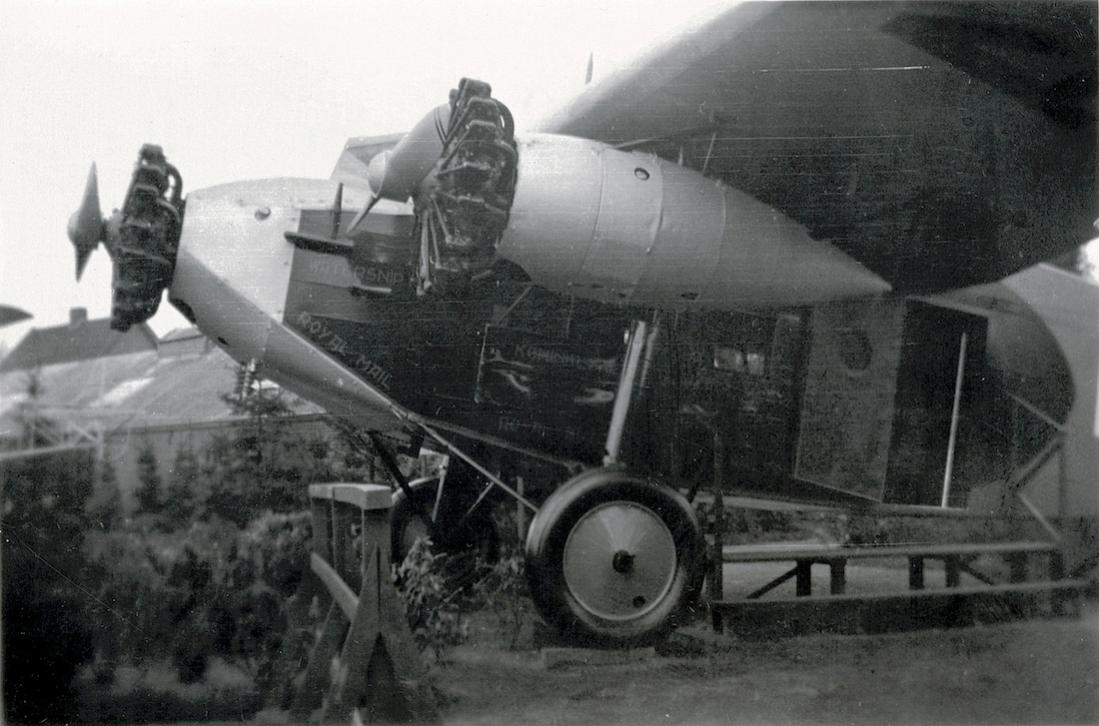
[{"x": 939, "y": 144}]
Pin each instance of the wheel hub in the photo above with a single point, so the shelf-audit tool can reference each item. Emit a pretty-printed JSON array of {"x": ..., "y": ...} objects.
[
  {"x": 623, "y": 561},
  {"x": 619, "y": 560}
]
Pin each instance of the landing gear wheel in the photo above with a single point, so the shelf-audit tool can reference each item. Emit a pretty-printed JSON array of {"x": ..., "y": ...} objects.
[
  {"x": 476, "y": 537},
  {"x": 613, "y": 559}
]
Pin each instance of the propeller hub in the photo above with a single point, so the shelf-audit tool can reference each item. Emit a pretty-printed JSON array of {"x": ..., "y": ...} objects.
[
  {"x": 142, "y": 237},
  {"x": 86, "y": 223}
]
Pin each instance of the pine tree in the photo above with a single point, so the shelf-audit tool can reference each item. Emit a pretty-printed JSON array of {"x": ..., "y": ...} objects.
[
  {"x": 181, "y": 502},
  {"x": 36, "y": 430},
  {"x": 105, "y": 505},
  {"x": 148, "y": 477},
  {"x": 263, "y": 464}
]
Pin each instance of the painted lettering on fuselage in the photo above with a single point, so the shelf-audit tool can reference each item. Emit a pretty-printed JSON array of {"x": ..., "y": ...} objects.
[
  {"x": 335, "y": 267},
  {"x": 331, "y": 342}
]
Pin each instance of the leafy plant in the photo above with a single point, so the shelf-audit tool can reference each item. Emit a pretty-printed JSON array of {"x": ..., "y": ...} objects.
[
  {"x": 503, "y": 589},
  {"x": 430, "y": 603}
]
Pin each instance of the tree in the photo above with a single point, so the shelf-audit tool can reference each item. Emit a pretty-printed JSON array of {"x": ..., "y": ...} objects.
[
  {"x": 47, "y": 636},
  {"x": 181, "y": 503},
  {"x": 263, "y": 463},
  {"x": 105, "y": 505},
  {"x": 36, "y": 430},
  {"x": 148, "y": 477}
]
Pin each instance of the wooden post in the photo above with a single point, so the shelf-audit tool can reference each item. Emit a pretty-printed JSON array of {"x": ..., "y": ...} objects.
[
  {"x": 1062, "y": 485},
  {"x": 804, "y": 578},
  {"x": 717, "y": 560},
  {"x": 1017, "y": 566},
  {"x": 915, "y": 573},
  {"x": 953, "y": 571},
  {"x": 1056, "y": 573},
  {"x": 313, "y": 686},
  {"x": 364, "y": 656},
  {"x": 837, "y": 584},
  {"x": 322, "y": 536}
]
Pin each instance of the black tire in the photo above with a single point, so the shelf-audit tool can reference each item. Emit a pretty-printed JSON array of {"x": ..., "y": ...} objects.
[
  {"x": 614, "y": 560},
  {"x": 476, "y": 537}
]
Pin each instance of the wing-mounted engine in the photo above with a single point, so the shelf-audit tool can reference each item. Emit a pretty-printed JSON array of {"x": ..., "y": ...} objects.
[
  {"x": 142, "y": 237},
  {"x": 459, "y": 163},
  {"x": 583, "y": 218}
]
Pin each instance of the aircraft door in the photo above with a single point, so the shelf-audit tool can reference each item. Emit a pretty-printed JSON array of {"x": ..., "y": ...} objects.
[
  {"x": 847, "y": 404},
  {"x": 939, "y": 386}
]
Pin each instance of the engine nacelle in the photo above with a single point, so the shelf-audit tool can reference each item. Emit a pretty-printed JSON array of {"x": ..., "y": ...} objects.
[
  {"x": 628, "y": 227},
  {"x": 583, "y": 218}
]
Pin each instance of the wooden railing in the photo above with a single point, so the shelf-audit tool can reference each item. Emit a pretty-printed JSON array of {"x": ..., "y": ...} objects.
[{"x": 364, "y": 664}]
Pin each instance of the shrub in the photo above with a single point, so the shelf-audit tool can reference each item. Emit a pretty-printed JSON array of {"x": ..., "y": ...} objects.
[
  {"x": 206, "y": 591},
  {"x": 503, "y": 589},
  {"x": 430, "y": 604},
  {"x": 274, "y": 549},
  {"x": 46, "y": 583},
  {"x": 262, "y": 464}
]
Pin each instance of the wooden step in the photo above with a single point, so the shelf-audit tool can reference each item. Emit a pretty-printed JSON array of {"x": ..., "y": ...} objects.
[
  {"x": 937, "y": 592},
  {"x": 785, "y": 553},
  {"x": 898, "y": 611}
]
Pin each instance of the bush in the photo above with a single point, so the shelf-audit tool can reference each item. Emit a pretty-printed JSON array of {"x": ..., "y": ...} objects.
[
  {"x": 503, "y": 589},
  {"x": 271, "y": 556},
  {"x": 47, "y": 636},
  {"x": 209, "y": 590},
  {"x": 274, "y": 549},
  {"x": 430, "y": 603}
]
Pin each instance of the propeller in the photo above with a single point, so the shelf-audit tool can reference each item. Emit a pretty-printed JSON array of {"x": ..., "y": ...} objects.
[{"x": 86, "y": 223}]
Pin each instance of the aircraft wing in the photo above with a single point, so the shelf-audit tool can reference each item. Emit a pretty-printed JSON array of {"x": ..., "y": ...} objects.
[
  {"x": 10, "y": 314},
  {"x": 939, "y": 144}
]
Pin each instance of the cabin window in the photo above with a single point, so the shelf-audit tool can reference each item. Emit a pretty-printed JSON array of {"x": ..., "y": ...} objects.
[{"x": 740, "y": 360}]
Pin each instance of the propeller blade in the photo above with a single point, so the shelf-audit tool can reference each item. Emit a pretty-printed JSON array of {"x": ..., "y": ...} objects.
[{"x": 86, "y": 223}]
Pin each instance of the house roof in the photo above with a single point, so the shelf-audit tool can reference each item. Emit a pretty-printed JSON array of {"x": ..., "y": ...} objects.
[
  {"x": 131, "y": 390},
  {"x": 81, "y": 339}
]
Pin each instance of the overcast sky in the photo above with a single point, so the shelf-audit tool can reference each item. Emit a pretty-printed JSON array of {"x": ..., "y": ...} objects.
[{"x": 237, "y": 90}]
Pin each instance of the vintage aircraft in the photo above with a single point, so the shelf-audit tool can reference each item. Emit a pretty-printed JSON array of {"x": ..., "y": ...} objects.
[{"x": 775, "y": 242}]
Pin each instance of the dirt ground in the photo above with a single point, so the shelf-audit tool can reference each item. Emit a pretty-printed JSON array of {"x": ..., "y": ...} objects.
[{"x": 1036, "y": 672}]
